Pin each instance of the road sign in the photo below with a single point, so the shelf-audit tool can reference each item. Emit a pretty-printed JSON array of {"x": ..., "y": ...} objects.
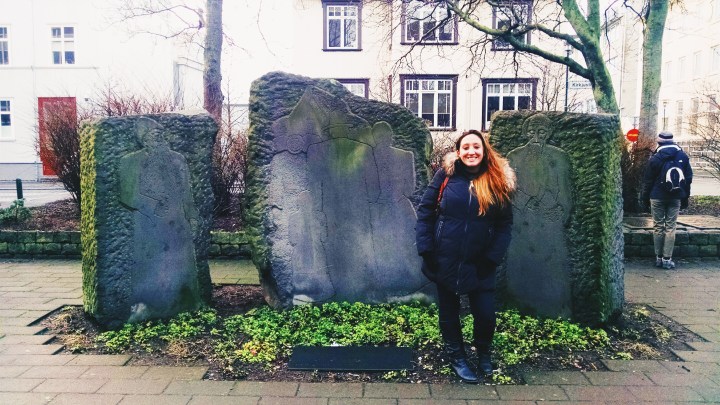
[
  {"x": 580, "y": 84},
  {"x": 632, "y": 135}
]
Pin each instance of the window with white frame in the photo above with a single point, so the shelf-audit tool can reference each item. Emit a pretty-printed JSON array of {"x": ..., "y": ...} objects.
[
  {"x": 63, "y": 45},
  {"x": 513, "y": 17},
  {"x": 4, "y": 46},
  {"x": 667, "y": 73},
  {"x": 358, "y": 87},
  {"x": 678, "y": 118},
  {"x": 5, "y": 119},
  {"x": 342, "y": 26},
  {"x": 697, "y": 64},
  {"x": 431, "y": 98},
  {"x": 715, "y": 59},
  {"x": 681, "y": 69},
  {"x": 507, "y": 94},
  {"x": 428, "y": 22},
  {"x": 694, "y": 114}
]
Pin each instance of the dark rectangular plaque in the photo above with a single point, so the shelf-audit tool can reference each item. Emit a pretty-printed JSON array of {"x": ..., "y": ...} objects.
[{"x": 350, "y": 358}]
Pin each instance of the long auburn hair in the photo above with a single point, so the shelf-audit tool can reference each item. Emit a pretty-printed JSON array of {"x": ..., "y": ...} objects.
[{"x": 496, "y": 181}]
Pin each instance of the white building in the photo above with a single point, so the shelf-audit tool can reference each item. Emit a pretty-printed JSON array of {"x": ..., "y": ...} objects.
[
  {"x": 64, "y": 51},
  {"x": 690, "y": 64}
]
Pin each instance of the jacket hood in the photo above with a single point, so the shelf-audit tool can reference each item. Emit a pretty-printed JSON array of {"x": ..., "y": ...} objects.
[
  {"x": 667, "y": 150},
  {"x": 451, "y": 158}
]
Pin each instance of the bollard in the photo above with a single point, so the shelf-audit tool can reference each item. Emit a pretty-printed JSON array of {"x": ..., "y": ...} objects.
[{"x": 18, "y": 186}]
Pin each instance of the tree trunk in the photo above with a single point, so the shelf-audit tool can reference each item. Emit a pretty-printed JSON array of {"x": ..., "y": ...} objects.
[
  {"x": 212, "y": 77},
  {"x": 652, "y": 61}
]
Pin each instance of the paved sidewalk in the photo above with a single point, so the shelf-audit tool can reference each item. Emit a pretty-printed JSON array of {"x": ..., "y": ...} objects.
[{"x": 31, "y": 372}]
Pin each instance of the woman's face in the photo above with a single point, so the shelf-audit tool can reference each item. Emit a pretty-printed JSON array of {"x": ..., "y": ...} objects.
[{"x": 471, "y": 150}]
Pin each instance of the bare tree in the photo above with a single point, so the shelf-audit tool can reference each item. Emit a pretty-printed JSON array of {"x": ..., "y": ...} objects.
[
  {"x": 707, "y": 129},
  {"x": 187, "y": 22}
]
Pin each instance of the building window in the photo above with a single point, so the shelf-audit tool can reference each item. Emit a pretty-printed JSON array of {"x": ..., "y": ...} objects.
[
  {"x": 694, "y": 113},
  {"x": 681, "y": 69},
  {"x": 715, "y": 59},
  {"x": 431, "y": 98},
  {"x": 428, "y": 22},
  {"x": 697, "y": 64},
  {"x": 342, "y": 26},
  {"x": 679, "y": 118},
  {"x": 512, "y": 17},
  {"x": 5, "y": 120},
  {"x": 667, "y": 73},
  {"x": 358, "y": 87},
  {"x": 507, "y": 94},
  {"x": 4, "y": 46},
  {"x": 63, "y": 45}
]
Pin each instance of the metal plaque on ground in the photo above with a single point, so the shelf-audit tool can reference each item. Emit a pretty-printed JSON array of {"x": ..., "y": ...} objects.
[{"x": 350, "y": 358}]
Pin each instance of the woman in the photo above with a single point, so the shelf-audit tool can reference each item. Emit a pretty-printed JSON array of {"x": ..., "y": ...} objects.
[{"x": 463, "y": 231}]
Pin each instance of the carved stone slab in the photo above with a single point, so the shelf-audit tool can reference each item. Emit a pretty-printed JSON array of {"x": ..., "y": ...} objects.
[
  {"x": 337, "y": 203},
  {"x": 146, "y": 215}
]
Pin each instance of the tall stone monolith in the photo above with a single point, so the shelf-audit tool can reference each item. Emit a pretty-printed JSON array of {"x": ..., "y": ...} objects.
[
  {"x": 566, "y": 255},
  {"x": 146, "y": 215},
  {"x": 331, "y": 192}
]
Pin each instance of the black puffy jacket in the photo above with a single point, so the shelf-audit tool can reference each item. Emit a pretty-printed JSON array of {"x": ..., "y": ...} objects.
[
  {"x": 465, "y": 247},
  {"x": 651, "y": 188}
]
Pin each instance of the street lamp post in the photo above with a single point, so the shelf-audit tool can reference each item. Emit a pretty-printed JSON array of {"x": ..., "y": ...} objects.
[{"x": 567, "y": 76}]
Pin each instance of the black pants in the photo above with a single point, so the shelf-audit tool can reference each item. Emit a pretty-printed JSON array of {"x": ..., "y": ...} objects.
[{"x": 482, "y": 308}]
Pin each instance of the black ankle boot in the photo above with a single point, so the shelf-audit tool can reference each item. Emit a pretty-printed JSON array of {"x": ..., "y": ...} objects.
[
  {"x": 484, "y": 363},
  {"x": 462, "y": 369}
]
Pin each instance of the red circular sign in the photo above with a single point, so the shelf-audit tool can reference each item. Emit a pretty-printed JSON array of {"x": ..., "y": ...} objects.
[{"x": 632, "y": 135}]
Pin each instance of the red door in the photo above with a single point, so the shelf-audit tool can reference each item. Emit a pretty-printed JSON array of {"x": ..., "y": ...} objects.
[{"x": 51, "y": 107}]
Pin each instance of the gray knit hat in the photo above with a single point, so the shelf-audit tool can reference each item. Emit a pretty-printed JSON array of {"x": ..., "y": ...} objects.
[{"x": 665, "y": 136}]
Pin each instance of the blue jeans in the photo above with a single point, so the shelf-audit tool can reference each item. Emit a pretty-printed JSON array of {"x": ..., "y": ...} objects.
[{"x": 664, "y": 215}]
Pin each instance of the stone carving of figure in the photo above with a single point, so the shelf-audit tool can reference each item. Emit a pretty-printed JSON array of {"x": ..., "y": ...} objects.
[
  {"x": 155, "y": 187},
  {"x": 538, "y": 263}
]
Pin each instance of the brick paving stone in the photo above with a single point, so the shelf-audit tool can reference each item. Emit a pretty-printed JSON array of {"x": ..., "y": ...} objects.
[
  {"x": 705, "y": 346},
  {"x": 597, "y": 393},
  {"x": 175, "y": 373},
  {"x": 437, "y": 402},
  {"x": 133, "y": 386},
  {"x": 388, "y": 390},
  {"x": 12, "y": 371},
  {"x": 206, "y": 387},
  {"x": 666, "y": 394},
  {"x": 680, "y": 380},
  {"x": 292, "y": 401},
  {"x": 35, "y": 359},
  {"x": 260, "y": 388},
  {"x": 157, "y": 400},
  {"x": 363, "y": 401},
  {"x": 33, "y": 349},
  {"x": 19, "y": 384},
  {"x": 86, "y": 399},
  {"x": 113, "y": 372},
  {"x": 351, "y": 390},
  {"x": 11, "y": 313},
  {"x": 22, "y": 321},
  {"x": 462, "y": 391},
  {"x": 633, "y": 365},
  {"x": 54, "y": 372},
  {"x": 218, "y": 400},
  {"x": 25, "y": 398},
  {"x": 709, "y": 393},
  {"x": 21, "y": 330},
  {"x": 531, "y": 392},
  {"x": 701, "y": 357},
  {"x": 709, "y": 336},
  {"x": 618, "y": 378},
  {"x": 100, "y": 360},
  {"x": 26, "y": 340},
  {"x": 63, "y": 385},
  {"x": 555, "y": 378}
]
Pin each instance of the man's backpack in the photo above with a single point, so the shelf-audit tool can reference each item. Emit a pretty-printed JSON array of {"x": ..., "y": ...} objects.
[{"x": 672, "y": 177}]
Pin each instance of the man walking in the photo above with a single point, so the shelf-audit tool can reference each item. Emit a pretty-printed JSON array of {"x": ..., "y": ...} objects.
[{"x": 666, "y": 189}]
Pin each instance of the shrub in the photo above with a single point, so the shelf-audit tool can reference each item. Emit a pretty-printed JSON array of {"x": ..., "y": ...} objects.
[
  {"x": 229, "y": 169},
  {"x": 15, "y": 213}
]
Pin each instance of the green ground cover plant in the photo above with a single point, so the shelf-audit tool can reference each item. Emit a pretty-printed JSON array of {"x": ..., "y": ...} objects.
[
  {"x": 265, "y": 337},
  {"x": 16, "y": 213}
]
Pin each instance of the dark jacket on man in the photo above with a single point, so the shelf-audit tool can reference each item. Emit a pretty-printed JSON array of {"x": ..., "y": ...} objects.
[
  {"x": 464, "y": 248},
  {"x": 652, "y": 188}
]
